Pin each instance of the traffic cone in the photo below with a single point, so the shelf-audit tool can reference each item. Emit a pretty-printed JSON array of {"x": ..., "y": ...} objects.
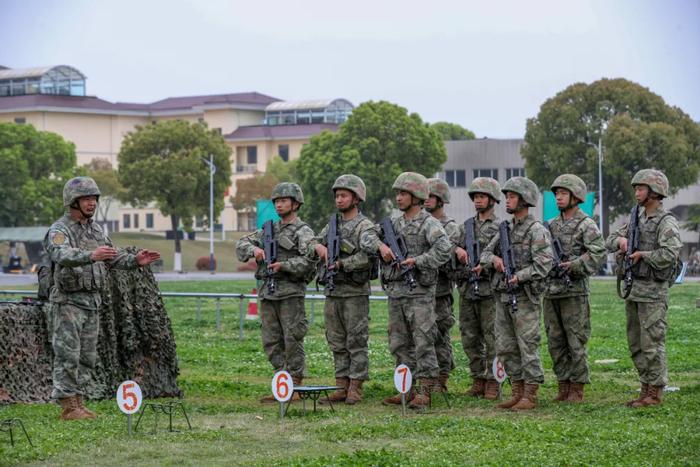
[{"x": 252, "y": 306}]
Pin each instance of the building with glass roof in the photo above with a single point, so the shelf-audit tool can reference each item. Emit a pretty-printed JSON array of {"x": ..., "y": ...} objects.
[
  {"x": 56, "y": 80},
  {"x": 308, "y": 111}
]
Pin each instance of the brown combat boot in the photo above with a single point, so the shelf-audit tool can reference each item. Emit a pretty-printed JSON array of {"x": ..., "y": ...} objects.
[
  {"x": 642, "y": 394},
  {"x": 529, "y": 399},
  {"x": 422, "y": 398},
  {"x": 355, "y": 392},
  {"x": 653, "y": 397},
  {"x": 339, "y": 395},
  {"x": 575, "y": 393},
  {"x": 563, "y": 393},
  {"x": 71, "y": 410},
  {"x": 518, "y": 390},
  {"x": 82, "y": 407},
  {"x": 441, "y": 385},
  {"x": 493, "y": 390},
  {"x": 478, "y": 388},
  {"x": 396, "y": 400}
]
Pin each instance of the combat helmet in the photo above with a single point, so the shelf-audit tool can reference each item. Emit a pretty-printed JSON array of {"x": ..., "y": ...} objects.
[
  {"x": 439, "y": 188},
  {"x": 573, "y": 183},
  {"x": 487, "y": 186},
  {"x": 352, "y": 183},
  {"x": 525, "y": 187},
  {"x": 654, "y": 179},
  {"x": 288, "y": 190},
  {"x": 79, "y": 187},
  {"x": 414, "y": 183}
]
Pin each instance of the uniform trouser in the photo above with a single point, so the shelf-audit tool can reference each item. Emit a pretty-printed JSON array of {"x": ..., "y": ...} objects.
[
  {"x": 283, "y": 329},
  {"x": 443, "y": 344},
  {"x": 476, "y": 325},
  {"x": 347, "y": 331},
  {"x": 74, "y": 340},
  {"x": 568, "y": 324},
  {"x": 412, "y": 331},
  {"x": 518, "y": 340},
  {"x": 646, "y": 337}
]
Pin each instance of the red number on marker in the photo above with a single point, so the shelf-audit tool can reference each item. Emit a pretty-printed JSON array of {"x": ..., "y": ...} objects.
[
  {"x": 129, "y": 395},
  {"x": 403, "y": 371},
  {"x": 499, "y": 370},
  {"x": 282, "y": 386}
]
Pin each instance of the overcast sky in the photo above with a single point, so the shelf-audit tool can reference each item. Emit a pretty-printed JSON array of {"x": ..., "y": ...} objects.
[{"x": 485, "y": 65}]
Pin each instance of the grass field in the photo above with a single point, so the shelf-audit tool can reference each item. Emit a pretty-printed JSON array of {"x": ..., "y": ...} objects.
[{"x": 223, "y": 377}]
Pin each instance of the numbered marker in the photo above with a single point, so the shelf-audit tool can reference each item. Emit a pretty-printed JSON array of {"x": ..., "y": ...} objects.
[
  {"x": 129, "y": 397},
  {"x": 282, "y": 386},
  {"x": 402, "y": 379},
  {"x": 498, "y": 371}
]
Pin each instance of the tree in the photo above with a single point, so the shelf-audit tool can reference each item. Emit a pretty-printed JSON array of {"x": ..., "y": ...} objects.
[
  {"x": 452, "y": 131},
  {"x": 163, "y": 162},
  {"x": 692, "y": 221},
  {"x": 101, "y": 170},
  {"x": 638, "y": 130},
  {"x": 34, "y": 166},
  {"x": 377, "y": 142},
  {"x": 249, "y": 190}
]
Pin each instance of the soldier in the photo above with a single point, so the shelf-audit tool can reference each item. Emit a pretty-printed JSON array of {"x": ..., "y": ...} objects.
[
  {"x": 477, "y": 310},
  {"x": 412, "y": 326},
  {"x": 435, "y": 205},
  {"x": 518, "y": 333},
  {"x": 653, "y": 271},
  {"x": 567, "y": 315},
  {"x": 80, "y": 256},
  {"x": 283, "y": 316},
  {"x": 346, "y": 310}
]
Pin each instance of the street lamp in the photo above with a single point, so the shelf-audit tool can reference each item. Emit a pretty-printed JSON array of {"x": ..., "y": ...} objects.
[
  {"x": 599, "y": 147},
  {"x": 212, "y": 171}
]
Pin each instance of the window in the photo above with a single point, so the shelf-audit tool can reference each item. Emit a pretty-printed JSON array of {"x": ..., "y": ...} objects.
[
  {"x": 136, "y": 221},
  {"x": 127, "y": 221},
  {"x": 149, "y": 221},
  {"x": 199, "y": 222},
  {"x": 456, "y": 178},
  {"x": 283, "y": 150},
  {"x": 493, "y": 173},
  {"x": 515, "y": 172},
  {"x": 20, "y": 120},
  {"x": 252, "y": 152}
]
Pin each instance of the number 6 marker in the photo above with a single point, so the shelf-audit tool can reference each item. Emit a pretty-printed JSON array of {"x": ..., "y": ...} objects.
[
  {"x": 499, "y": 373},
  {"x": 282, "y": 386}
]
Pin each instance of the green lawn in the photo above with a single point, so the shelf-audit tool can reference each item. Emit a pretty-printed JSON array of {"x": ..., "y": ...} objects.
[{"x": 223, "y": 377}]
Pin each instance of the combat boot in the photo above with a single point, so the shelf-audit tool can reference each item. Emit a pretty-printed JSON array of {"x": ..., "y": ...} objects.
[
  {"x": 563, "y": 393},
  {"x": 575, "y": 393},
  {"x": 518, "y": 390},
  {"x": 441, "y": 385},
  {"x": 297, "y": 382},
  {"x": 82, "y": 407},
  {"x": 653, "y": 397},
  {"x": 396, "y": 400},
  {"x": 529, "y": 399},
  {"x": 339, "y": 395},
  {"x": 478, "y": 388},
  {"x": 71, "y": 410},
  {"x": 355, "y": 392},
  {"x": 493, "y": 390},
  {"x": 422, "y": 398},
  {"x": 642, "y": 394}
]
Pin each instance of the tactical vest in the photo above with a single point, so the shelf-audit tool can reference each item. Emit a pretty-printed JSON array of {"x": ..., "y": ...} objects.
[
  {"x": 88, "y": 277},
  {"x": 565, "y": 232},
  {"x": 417, "y": 245},
  {"x": 350, "y": 245},
  {"x": 523, "y": 258},
  {"x": 648, "y": 241},
  {"x": 286, "y": 248},
  {"x": 446, "y": 271}
]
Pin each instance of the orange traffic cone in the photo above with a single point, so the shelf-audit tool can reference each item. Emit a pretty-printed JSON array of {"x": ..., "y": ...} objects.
[{"x": 252, "y": 306}]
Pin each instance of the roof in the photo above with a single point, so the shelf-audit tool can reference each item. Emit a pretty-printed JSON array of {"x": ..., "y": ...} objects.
[
  {"x": 305, "y": 104},
  {"x": 279, "y": 132},
  {"x": 36, "y": 72},
  {"x": 246, "y": 98},
  {"x": 23, "y": 234}
]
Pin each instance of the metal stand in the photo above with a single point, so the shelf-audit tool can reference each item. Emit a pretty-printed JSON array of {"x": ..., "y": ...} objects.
[
  {"x": 166, "y": 408},
  {"x": 313, "y": 393},
  {"x": 9, "y": 424}
]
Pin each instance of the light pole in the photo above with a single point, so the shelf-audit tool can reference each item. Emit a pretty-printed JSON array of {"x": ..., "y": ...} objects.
[
  {"x": 212, "y": 171},
  {"x": 599, "y": 147}
]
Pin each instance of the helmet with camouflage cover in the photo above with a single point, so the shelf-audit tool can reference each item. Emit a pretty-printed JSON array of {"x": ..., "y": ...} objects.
[
  {"x": 654, "y": 179},
  {"x": 487, "y": 186},
  {"x": 523, "y": 186},
  {"x": 352, "y": 183},
  {"x": 439, "y": 188},
  {"x": 79, "y": 187},
  {"x": 574, "y": 184},
  {"x": 288, "y": 190},
  {"x": 414, "y": 183}
]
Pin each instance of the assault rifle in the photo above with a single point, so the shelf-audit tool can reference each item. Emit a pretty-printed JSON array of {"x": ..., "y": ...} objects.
[
  {"x": 270, "y": 247},
  {"x": 632, "y": 246},
  {"x": 559, "y": 256},
  {"x": 398, "y": 246},
  {"x": 508, "y": 263},
  {"x": 473, "y": 251},
  {"x": 333, "y": 244}
]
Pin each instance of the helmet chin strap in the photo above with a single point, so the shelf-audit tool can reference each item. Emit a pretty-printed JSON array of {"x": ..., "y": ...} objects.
[{"x": 491, "y": 204}]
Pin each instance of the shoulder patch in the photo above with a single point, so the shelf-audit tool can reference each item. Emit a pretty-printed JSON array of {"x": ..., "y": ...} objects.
[{"x": 58, "y": 238}]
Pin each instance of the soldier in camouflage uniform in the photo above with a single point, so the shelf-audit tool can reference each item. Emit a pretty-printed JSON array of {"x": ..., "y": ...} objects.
[
  {"x": 435, "y": 205},
  {"x": 518, "y": 334},
  {"x": 567, "y": 316},
  {"x": 653, "y": 271},
  {"x": 412, "y": 327},
  {"x": 283, "y": 316},
  {"x": 477, "y": 311},
  {"x": 346, "y": 310},
  {"x": 80, "y": 254}
]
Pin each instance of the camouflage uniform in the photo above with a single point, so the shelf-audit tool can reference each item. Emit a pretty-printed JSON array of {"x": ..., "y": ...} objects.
[
  {"x": 283, "y": 316},
  {"x": 75, "y": 299},
  {"x": 518, "y": 334},
  {"x": 566, "y": 309},
  {"x": 646, "y": 306}
]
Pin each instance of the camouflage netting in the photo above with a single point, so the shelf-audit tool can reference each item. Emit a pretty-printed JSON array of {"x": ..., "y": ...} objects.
[{"x": 136, "y": 342}]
